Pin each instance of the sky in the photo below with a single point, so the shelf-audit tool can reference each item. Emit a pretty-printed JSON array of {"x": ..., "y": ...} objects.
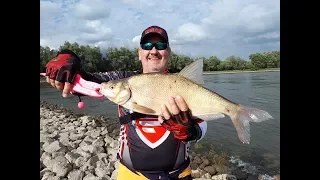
[{"x": 200, "y": 28}]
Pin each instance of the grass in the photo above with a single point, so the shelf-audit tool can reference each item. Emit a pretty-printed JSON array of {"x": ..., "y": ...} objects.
[{"x": 240, "y": 71}]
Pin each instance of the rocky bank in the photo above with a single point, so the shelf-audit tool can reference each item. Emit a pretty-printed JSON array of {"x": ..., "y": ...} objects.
[{"x": 79, "y": 146}]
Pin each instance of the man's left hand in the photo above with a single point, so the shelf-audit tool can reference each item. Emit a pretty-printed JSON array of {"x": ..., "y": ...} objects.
[{"x": 179, "y": 122}]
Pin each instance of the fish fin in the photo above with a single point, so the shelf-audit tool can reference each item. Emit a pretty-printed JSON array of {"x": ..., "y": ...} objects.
[
  {"x": 194, "y": 71},
  {"x": 209, "y": 117},
  {"x": 243, "y": 117},
  {"x": 139, "y": 108}
]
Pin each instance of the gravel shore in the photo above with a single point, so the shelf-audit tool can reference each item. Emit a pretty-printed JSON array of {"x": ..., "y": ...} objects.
[{"x": 77, "y": 147}]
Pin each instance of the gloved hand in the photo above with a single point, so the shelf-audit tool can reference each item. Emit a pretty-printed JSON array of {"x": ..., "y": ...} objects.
[
  {"x": 63, "y": 67},
  {"x": 182, "y": 126},
  {"x": 180, "y": 123}
]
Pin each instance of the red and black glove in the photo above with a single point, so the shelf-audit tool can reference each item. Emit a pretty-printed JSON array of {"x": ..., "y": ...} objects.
[
  {"x": 183, "y": 126},
  {"x": 65, "y": 66}
]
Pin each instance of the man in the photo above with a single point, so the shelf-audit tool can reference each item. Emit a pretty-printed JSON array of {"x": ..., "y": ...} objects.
[{"x": 151, "y": 147}]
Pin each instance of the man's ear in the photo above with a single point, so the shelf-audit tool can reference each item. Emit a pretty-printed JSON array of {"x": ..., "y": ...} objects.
[{"x": 169, "y": 52}]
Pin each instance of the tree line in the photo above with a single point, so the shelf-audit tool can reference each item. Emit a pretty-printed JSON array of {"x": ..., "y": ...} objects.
[{"x": 127, "y": 59}]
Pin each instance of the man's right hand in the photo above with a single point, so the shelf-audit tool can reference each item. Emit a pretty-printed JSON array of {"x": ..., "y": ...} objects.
[{"x": 62, "y": 69}]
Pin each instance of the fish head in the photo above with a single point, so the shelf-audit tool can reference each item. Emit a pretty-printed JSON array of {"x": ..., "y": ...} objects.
[{"x": 117, "y": 91}]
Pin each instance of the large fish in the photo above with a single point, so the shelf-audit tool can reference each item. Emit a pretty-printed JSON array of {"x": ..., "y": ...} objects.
[{"x": 144, "y": 93}]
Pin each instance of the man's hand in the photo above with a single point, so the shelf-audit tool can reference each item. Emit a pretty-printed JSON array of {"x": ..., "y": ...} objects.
[
  {"x": 180, "y": 122},
  {"x": 62, "y": 69}
]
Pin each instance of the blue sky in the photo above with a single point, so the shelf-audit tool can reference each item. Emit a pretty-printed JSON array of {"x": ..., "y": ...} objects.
[{"x": 196, "y": 28}]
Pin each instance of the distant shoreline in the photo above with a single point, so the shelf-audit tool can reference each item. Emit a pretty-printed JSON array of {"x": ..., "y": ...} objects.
[{"x": 240, "y": 71}]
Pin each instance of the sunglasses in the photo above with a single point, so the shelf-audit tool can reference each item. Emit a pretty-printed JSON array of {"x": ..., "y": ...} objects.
[{"x": 157, "y": 45}]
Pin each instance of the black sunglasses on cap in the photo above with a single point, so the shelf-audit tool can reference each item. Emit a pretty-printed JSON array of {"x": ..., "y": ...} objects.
[{"x": 157, "y": 45}]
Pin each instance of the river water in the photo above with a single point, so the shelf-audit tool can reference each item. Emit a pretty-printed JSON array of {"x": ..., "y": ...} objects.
[{"x": 260, "y": 90}]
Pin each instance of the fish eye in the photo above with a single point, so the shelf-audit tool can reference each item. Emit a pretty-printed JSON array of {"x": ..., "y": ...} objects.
[{"x": 111, "y": 87}]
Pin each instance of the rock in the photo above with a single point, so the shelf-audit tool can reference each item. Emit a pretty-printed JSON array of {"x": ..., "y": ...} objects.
[
  {"x": 90, "y": 176},
  {"x": 88, "y": 139},
  {"x": 108, "y": 140},
  {"x": 193, "y": 165},
  {"x": 104, "y": 131},
  {"x": 76, "y": 123},
  {"x": 83, "y": 153},
  {"x": 205, "y": 162},
  {"x": 92, "y": 161},
  {"x": 101, "y": 169},
  {"x": 71, "y": 157},
  {"x": 61, "y": 166},
  {"x": 197, "y": 160},
  {"x": 43, "y": 171},
  {"x": 46, "y": 160},
  {"x": 221, "y": 169},
  {"x": 224, "y": 177},
  {"x": 76, "y": 136},
  {"x": 53, "y": 134},
  {"x": 210, "y": 169},
  {"x": 98, "y": 142},
  {"x": 75, "y": 175},
  {"x": 84, "y": 145},
  {"x": 95, "y": 133},
  {"x": 84, "y": 120},
  {"x": 206, "y": 175},
  {"x": 110, "y": 167},
  {"x": 52, "y": 147},
  {"x": 112, "y": 154},
  {"x": 47, "y": 175},
  {"x": 102, "y": 156},
  {"x": 195, "y": 173},
  {"x": 95, "y": 149},
  {"x": 81, "y": 129},
  {"x": 80, "y": 161},
  {"x": 76, "y": 143},
  {"x": 114, "y": 174},
  {"x": 65, "y": 141},
  {"x": 64, "y": 135},
  {"x": 44, "y": 138},
  {"x": 56, "y": 154}
]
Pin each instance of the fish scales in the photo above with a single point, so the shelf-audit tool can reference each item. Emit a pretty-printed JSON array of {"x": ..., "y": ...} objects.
[{"x": 157, "y": 88}]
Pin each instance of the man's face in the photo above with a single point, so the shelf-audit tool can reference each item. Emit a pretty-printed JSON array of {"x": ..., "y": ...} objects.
[{"x": 154, "y": 60}]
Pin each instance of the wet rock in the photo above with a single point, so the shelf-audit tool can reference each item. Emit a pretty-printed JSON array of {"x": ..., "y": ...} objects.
[
  {"x": 224, "y": 177},
  {"x": 210, "y": 169}
]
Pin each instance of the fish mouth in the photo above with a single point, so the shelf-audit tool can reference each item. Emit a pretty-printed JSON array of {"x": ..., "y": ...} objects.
[{"x": 107, "y": 94}]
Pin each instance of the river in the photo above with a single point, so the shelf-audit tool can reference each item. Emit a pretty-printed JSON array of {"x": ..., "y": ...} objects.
[{"x": 260, "y": 90}]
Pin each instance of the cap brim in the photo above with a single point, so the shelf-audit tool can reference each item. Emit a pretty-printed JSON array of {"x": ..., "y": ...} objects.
[{"x": 152, "y": 33}]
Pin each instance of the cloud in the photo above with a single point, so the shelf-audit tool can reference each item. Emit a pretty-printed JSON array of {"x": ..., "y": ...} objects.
[{"x": 196, "y": 28}]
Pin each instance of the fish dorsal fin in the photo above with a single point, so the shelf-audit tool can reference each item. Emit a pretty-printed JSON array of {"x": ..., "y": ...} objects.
[{"x": 194, "y": 71}]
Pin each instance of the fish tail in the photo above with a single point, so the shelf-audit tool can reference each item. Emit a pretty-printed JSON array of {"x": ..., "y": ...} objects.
[{"x": 242, "y": 118}]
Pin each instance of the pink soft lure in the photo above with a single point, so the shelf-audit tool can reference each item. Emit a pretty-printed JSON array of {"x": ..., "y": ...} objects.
[{"x": 84, "y": 87}]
